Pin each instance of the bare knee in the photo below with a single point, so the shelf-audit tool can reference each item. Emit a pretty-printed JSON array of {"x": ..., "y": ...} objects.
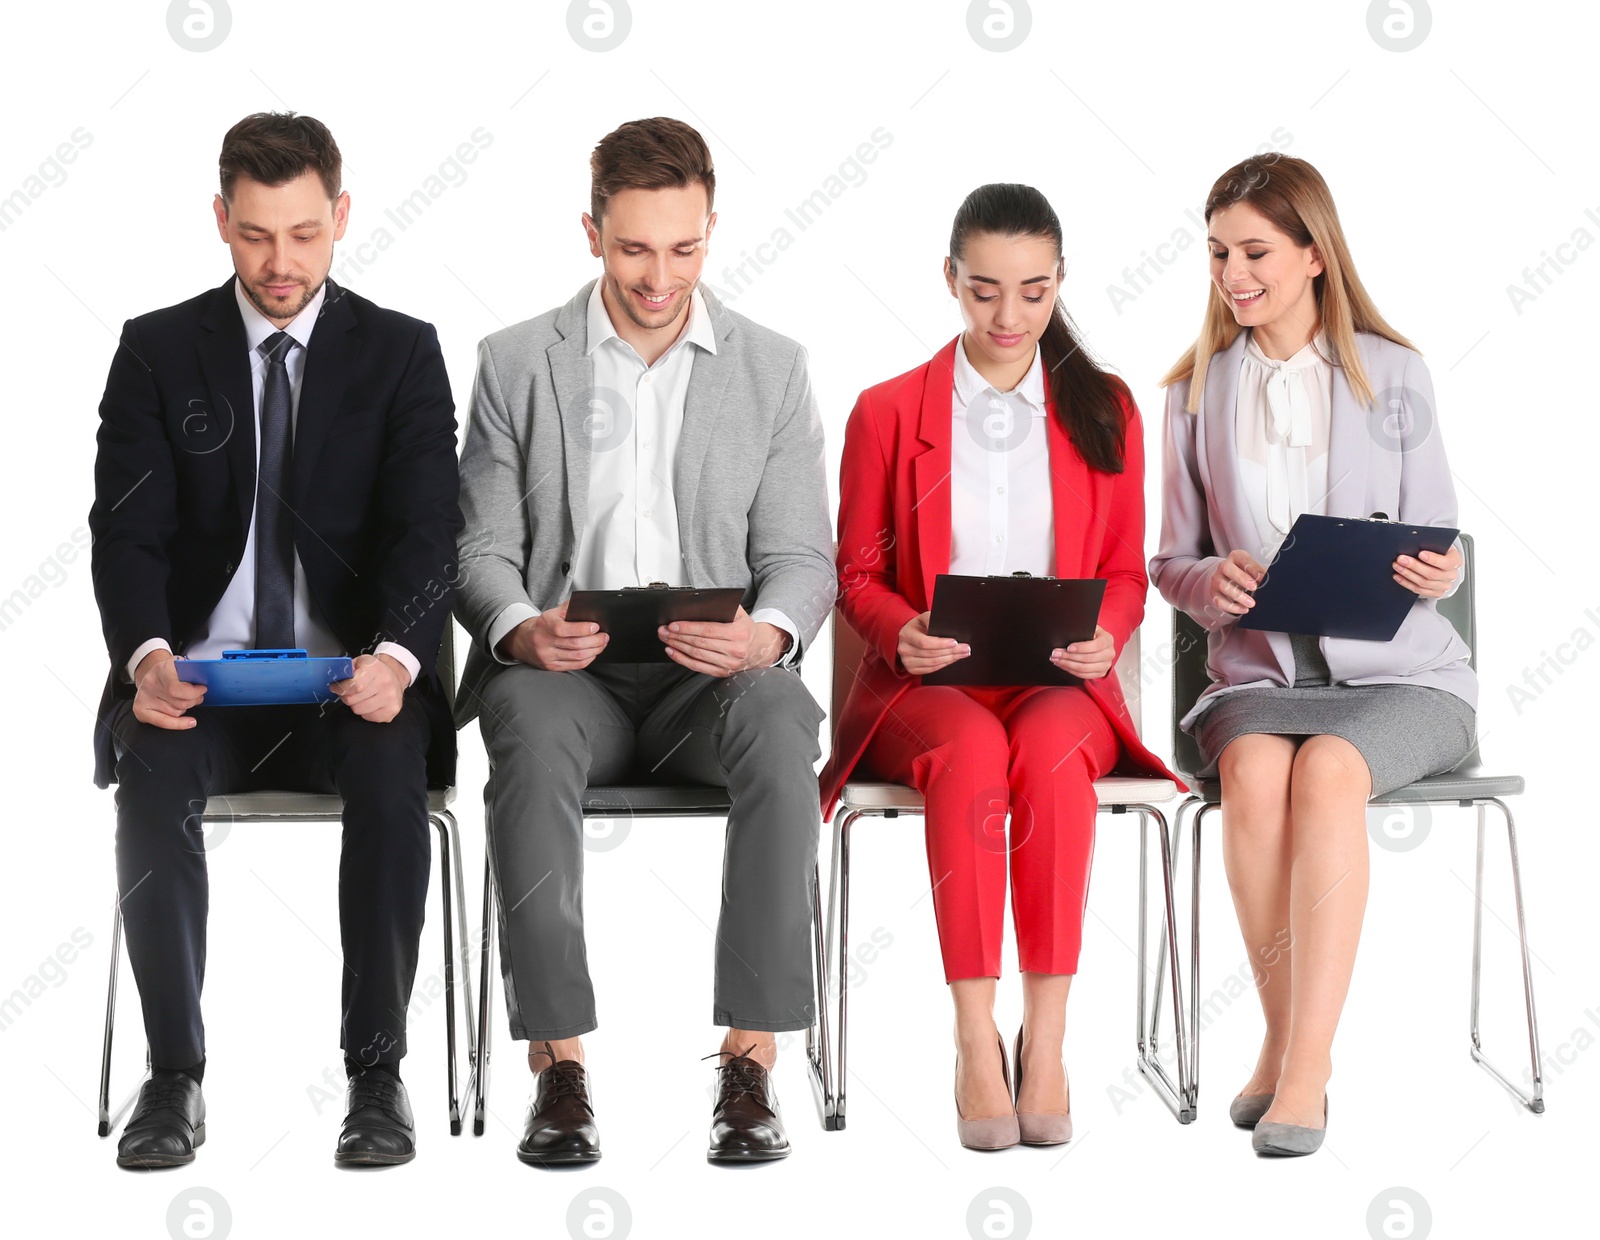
[
  {"x": 1329, "y": 768},
  {"x": 1255, "y": 772}
]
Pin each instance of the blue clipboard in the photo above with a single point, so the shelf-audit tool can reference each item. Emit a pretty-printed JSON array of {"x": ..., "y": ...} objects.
[
  {"x": 1332, "y": 577},
  {"x": 265, "y": 677}
]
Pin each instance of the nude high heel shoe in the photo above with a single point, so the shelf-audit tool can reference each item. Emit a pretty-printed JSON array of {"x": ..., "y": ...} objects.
[
  {"x": 1040, "y": 1127},
  {"x": 997, "y": 1132}
]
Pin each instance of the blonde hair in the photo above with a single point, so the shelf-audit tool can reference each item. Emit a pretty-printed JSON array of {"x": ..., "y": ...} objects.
[{"x": 1293, "y": 196}]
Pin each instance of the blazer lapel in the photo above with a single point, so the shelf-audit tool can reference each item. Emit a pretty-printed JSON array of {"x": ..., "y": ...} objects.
[
  {"x": 931, "y": 469},
  {"x": 572, "y": 377},
  {"x": 702, "y": 406},
  {"x": 1072, "y": 501},
  {"x": 1349, "y": 443},
  {"x": 225, "y": 362},
  {"x": 330, "y": 357},
  {"x": 1218, "y": 452}
]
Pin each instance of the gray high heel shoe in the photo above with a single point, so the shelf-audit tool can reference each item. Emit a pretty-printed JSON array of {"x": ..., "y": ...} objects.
[
  {"x": 998, "y": 1132},
  {"x": 1290, "y": 1139},
  {"x": 1247, "y": 1109},
  {"x": 1040, "y": 1127}
]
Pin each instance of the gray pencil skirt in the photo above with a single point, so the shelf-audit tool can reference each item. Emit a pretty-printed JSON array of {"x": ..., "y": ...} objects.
[{"x": 1404, "y": 732}]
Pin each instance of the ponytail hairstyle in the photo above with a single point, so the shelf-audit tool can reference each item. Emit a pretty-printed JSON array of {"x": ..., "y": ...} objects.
[
  {"x": 1292, "y": 195},
  {"x": 1088, "y": 400}
]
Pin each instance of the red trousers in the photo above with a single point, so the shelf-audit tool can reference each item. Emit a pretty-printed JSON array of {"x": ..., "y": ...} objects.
[{"x": 973, "y": 754}]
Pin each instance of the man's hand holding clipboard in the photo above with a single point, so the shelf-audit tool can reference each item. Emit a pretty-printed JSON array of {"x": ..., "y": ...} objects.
[{"x": 706, "y": 631}]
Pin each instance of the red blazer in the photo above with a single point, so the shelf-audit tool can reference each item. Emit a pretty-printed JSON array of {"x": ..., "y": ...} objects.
[{"x": 894, "y": 540}]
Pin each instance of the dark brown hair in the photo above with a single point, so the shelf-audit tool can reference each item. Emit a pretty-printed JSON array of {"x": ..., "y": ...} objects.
[
  {"x": 1088, "y": 399},
  {"x": 276, "y": 147},
  {"x": 657, "y": 153}
]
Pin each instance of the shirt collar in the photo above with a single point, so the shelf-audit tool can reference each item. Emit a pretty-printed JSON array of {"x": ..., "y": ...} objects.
[
  {"x": 969, "y": 383},
  {"x": 257, "y": 327},
  {"x": 698, "y": 331}
]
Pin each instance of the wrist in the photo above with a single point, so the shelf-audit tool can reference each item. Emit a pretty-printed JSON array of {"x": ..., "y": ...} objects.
[
  {"x": 148, "y": 664},
  {"x": 400, "y": 671}
]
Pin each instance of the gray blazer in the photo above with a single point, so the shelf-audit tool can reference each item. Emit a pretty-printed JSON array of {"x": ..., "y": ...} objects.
[
  {"x": 1387, "y": 459},
  {"x": 751, "y": 492}
]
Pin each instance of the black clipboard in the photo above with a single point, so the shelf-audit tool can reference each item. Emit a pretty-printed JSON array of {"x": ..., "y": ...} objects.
[
  {"x": 632, "y": 615},
  {"x": 1012, "y": 624},
  {"x": 1334, "y": 577}
]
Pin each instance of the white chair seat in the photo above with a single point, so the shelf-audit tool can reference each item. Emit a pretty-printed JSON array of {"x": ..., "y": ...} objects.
[
  {"x": 1133, "y": 789},
  {"x": 1112, "y": 790},
  {"x": 274, "y": 803}
]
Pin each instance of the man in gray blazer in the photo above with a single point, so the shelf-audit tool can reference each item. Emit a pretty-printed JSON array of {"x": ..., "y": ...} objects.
[{"x": 645, "y": 433}]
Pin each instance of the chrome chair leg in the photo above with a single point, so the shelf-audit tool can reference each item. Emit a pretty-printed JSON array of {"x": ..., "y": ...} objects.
[
  {"x": 463, "y": 941},
  {"x": 106, "y": 1117},
  {"x": 1533, "y": 1100},
  {"x": 819, "y": 1052},
  {"x": 839, "y": 924},
  {"x": 447, "y": 854},
  {"x": 480, "y": 1068},
  {"x": 1180, "y": 1096}
]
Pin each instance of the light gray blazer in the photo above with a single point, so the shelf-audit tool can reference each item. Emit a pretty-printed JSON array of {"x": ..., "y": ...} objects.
[
  {"x": 1387, "y": 459},
  {"x": 749, "y": 481}
]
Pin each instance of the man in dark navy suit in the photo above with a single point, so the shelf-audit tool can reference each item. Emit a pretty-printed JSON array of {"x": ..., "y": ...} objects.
[{"x": 276, "y": 468}]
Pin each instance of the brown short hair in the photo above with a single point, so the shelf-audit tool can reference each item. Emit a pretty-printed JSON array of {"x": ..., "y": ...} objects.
[
  {"x": 657, "y": 153},
  {"x": 276, "y": 147}
]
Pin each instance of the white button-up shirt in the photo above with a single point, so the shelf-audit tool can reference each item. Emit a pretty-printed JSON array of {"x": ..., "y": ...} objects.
[
  {"x": 232, "y": 623},
  {"x": 1001, "y": 509},
  {"x": 630, "y": 533}
]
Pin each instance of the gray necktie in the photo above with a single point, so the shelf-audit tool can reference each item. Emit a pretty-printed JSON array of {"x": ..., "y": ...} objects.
[{"x": 274, "y": 520}]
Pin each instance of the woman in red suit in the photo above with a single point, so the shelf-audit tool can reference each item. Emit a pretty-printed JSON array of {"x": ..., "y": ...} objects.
[{"x": 1010, "y": 450}]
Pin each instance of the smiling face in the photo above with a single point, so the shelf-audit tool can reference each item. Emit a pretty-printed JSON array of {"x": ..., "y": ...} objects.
[
  {"x": 1007, "y": 288},
  {"x": 281, "y": 237},
  {"x": 1263, "y": 275},
  {"x": 653, "y": 243}
]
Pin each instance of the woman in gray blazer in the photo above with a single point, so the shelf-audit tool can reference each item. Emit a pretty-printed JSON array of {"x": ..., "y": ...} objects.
[{"x": 1299, "y": 397}]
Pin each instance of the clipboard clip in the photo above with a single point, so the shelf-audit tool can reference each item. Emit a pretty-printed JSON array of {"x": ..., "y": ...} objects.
[
  {"x": 658, "y": 585},
  {"x": 1021, "y": 572}
]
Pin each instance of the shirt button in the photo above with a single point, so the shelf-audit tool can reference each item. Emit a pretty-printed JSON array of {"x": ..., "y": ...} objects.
[
  {"x": 999, "y": 538},
  {"x": 647, "y": 514},
  {"x": 999, "y": 490}
]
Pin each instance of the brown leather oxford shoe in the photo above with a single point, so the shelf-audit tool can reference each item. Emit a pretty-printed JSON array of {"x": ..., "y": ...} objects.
[{"x": 746, "y": 1124}]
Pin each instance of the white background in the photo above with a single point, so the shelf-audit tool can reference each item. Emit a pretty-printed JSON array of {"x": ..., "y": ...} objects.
[{"x": 1455, "y": 166}]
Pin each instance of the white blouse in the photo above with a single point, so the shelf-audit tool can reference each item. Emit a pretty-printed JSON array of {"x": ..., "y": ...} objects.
[
  {"x": 1001, "y": 511},
  {"x": 1281, "y": 424}
]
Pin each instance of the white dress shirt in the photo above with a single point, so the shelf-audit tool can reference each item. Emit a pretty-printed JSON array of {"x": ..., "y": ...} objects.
[
  {"x": 1282, "y": 420},
  {"x": 1002, "y": 514},
  {"x": 232, "y": 622},
  {"x": 630, "y": 533}
]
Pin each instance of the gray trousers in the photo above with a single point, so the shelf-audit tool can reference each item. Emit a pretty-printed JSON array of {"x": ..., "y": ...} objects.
[{"x": 551, "y": 734}]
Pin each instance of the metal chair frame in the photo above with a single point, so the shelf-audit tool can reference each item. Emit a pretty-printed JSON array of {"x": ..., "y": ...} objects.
[
  {"x": 1118, "y": 795},
  {"x": 640, "y": 801},
  {"x": 1465, "y": 787},
  {"x": 276, "y": 806}
]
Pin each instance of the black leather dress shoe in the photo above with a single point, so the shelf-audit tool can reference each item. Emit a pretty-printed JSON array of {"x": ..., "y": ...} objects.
[
  {"x": 746, "y": 1125},
  {"x": 560, "y": 1128},
  {"x": 378, "y": 1130},
  {"x": 167, "y": 1124}
]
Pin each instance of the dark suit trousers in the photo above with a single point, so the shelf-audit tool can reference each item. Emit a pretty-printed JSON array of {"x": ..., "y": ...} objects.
[
  {"x": 551, "y": 734},
  {"x": 164, "y": 777}
]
